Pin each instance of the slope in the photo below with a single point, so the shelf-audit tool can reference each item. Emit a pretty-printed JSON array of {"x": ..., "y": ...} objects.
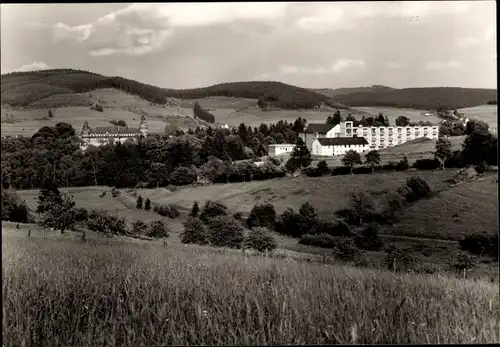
[{"x": 420, "y": 98}]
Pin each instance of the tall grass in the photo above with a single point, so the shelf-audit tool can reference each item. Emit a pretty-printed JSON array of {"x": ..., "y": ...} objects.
[{"x": 67, "y": 293}]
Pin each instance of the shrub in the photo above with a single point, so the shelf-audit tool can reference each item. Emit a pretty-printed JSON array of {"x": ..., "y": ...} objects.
[
  {"x": 157, "y": 229},
  {"x": 194, "y": 232},
  {"x": 147, "y": 204},
  {"x": 480, "y": 244},
  {"x": 225, "y": 231},
  {"x": 115, "y": 192},
  {"x": 262, "y": 216},
  {"x": 346, "y": 250},
  {"x": 213, "y": 209},
  {"x": 102, "y": 195},
  {"x": 139, "y": 202},
  {"x": 13, "y": 209},
  {"x": 397, "y": 259},
  {"x": 195, "y": 210},
  {"x": 182, "y": 176},
  {"x": 318, "y": 240},
  {"x": 297, "y": 224},
  {"x": 103, "y": 222},
  {"x": 394, "y": 205},
  {"x": 419, "y": 189},
  {"x": 427, "y": 164},
  {"x": 81, "y": 214},
  {"x": 260, "y": 240},
  {"x": 167, "y": 211},
  {"x": 463, "y": 261},
  {"x": 238, "y": 216},
  {"x": 333, "y": 228},
  {"x": 138, "y": 227},
  {"x": 403, "y": 164},
  {"x": 369, "y": 239}
]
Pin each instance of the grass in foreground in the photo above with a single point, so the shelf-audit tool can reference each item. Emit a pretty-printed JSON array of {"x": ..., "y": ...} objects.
[{"x": 68, "y": 293}]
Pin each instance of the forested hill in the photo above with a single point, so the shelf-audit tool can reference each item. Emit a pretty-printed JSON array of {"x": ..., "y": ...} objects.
[
  {"x": 335, "y": 93},
  {"x": 23, "y": 88},
  {"x": 420, "y": 98}
]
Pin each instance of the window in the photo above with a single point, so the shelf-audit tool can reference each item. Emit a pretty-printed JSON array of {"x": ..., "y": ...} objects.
[{"x": 400, "y": 130}]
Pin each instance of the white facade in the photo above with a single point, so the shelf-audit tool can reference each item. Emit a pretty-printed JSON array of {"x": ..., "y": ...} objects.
[
  {"x": 324, "y": 147},
  {"x": 382, "y": 137},
  {"x": 279, "y": 149}
]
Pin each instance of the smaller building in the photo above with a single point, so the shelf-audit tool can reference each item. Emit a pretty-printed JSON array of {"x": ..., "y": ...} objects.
[
  {"x": 279, "y": 149},
  {"x": 339, "y": 145}
]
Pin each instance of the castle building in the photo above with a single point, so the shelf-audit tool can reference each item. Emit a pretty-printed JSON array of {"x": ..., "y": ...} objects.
[
  {"x": 100, "y": 136},
  {"x": 375, "y": 137}
]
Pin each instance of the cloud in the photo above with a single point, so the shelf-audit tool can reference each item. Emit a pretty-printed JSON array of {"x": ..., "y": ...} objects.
[
  {"x": 392, "y": 65},
  {"x": 37, "y": 65},
  {"x": 334, "y": 68},
  {"x": 438, "y": 65},
  {"x": 145, "y": 28},
  {"x": 488, "y": 35}
]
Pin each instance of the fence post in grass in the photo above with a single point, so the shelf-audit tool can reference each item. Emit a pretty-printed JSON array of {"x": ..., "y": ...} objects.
[
  {"x": 29, "y": 232},
  {"x": 165, "y": 243},
  {"x": 324, "y": 259},
  {"x": 84, "y": 237}
]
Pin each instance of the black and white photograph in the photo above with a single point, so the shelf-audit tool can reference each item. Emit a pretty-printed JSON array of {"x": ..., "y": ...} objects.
[{"x": 249, "y": 173}]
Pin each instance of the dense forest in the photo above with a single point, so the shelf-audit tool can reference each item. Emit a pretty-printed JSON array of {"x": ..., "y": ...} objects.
[
  {"x": 23, "y": 88},
  {"x": 420, "y": 98}
]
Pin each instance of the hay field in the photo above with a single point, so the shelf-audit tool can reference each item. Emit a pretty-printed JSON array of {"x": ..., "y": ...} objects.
[
  {"x": 65, "y": 292},
  {"x": 486, "y": 113},
  {"x": 469, "y": 208}
]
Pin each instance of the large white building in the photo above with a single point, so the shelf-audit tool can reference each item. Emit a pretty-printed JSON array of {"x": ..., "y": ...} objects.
[
  {"x": 100, "y": 136},
  {"x": 334, "y": 146},
  {"x": 376, "y": 137}
]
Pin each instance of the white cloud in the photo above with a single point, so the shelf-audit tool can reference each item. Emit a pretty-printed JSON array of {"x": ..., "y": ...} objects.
[
  {"x": 487, "y": 36},
  {"x": 392, "y": 65},
  {"x": 439, "y": 65},
  {"x": 334, "y": 68},
  {"x": 37, "y": 65},
  {"x": 144, "y": 28}
]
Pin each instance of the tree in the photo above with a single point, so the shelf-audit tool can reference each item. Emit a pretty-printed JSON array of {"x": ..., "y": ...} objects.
[
  {"x": 260, "y": 240},
  {"x": 194, "y": 232},
  {"x": 335, "y": 119},
  {"x": 480, "y": 146},
  {"x": 49, "y": 193},
  {"x": 213, "y": 209},
  {"x": 157, "y": 229},
  {"x": 443, "y": 150},
  {"x": 300, "y": 157},
  {"x": 147, "y": 205},
  {"x": 362, "y": 206},
  {"x": 262, "y": 216},
  {"x": 370, "y": 239},
  {"x": 463, "y": 261},
  {"x": 402, "y": 121},
  {"x": 346, "y": 249},
  {"x": 322, "y": 167},
  {"x": 195, "y": 210},
  {"x": 139, "y": 202},
  {"x": 13, "y": 208},
  {"x": 373, "y": 158},
  {"x": 351, "y": 158},
  {"x": 397, "y": 259},
  {"x": 60, "y": 215},
  {"x": 102, "y": 221},
  {"x": 225, "y": 231}
]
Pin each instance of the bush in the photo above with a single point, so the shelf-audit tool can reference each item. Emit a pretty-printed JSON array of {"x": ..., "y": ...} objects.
[
  {"x": 194, "y": 232},
  {"x": 195, "y": 210},
  {"x": 115, "y": 192},
  {"x": 103, "y": 222},
  {"x": 463, "y": 261},
  {"x": 369, "y": 239},
  {"x": 426, "y": 164},
  {"x": 13, "y": 209},
  {"x": 182, "y": 176},
  {"x": 147, "y": 204},
  {"x": 346, "y": 250},
  {"x": 213, "y": 209},
  {"x": 167, "y": 211},
  {"x": 157, "y": 229},
  {"x": 81, "y": 214},
  {"x": 394, "y": 206},
  {"x": 419, "y": 189},
  {"x": 397, "y": 259},
  {"x": 238, "y": 216},
  {"x": 333, "y": 228},
  {"x": 102, "y": 195},
  {"x": 260, "y": 240},
  {"x": 262, "y": 216},
  {"x": 297, "y": 224},
  {"x": 318, "y": 240},
  {"x": 403, "y": 164},
  {"x": 225, "y": 231},
  {"x": 139, "y": 202},
  {"x": 138, "y": 227},
  {"x": 480, "y": 244}
]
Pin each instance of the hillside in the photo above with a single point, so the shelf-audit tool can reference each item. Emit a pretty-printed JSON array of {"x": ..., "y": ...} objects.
[
  {"x": 26, "y": 88},
  {"x": 332, "y": 93},
  {"x": 420, "y": 98}
]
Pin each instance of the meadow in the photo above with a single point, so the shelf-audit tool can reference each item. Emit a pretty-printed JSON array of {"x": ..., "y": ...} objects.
[{"x": 66, "y": 292}]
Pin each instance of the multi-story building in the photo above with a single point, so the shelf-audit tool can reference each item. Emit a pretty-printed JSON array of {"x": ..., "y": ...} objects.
[
  {"x": 100, "y": 136},
  {"x": 278, "y": 149},
  {"x": 376, "y": 137}
]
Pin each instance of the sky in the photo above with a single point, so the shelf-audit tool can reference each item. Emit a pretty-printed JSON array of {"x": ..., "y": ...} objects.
[{"x": 313, "y": 45}]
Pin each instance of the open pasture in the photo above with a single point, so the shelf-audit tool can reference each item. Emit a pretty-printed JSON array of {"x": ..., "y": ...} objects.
[
  {"x": 65, "y": 292},
  {"x": 485, "y": 113},
  {"x": 393, "y": 113}
]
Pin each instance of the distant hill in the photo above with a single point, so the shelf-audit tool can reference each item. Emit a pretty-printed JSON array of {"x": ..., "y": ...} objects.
[
  {"x": 419, "y": 98},
  {"x": 332, "y": 93},
  {"x": 25, "y": 88}
]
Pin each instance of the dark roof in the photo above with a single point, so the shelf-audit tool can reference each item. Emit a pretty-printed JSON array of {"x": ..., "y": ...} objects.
[
  {"x": 318, "y": 128},
  {"x": 113, "y": 130},
  {"x": 342, "y": 141}
]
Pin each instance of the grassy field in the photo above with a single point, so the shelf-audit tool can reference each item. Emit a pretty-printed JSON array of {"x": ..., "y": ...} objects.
[
  {"x": 393, "y": 113},
  {"x": 69, "y": 293},
  {"x": 469, "y": 208},
  {"x": 327, "y": 194},
  {"x": 486, "y": 113}
]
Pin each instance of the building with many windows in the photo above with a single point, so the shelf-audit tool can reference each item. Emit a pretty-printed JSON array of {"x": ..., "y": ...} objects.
[
  {"x": 100, "y": 136},
  {"x": 376, "y": 137},
  {"x": 278, "y": 149}
]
